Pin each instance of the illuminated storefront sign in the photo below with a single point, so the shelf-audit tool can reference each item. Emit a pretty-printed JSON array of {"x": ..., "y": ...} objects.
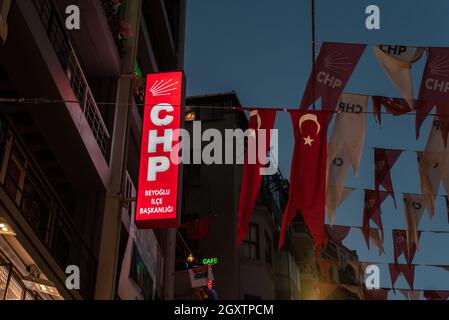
[
  {"x": 209, "y": 261},
  {"x": 159, "y": 176},
  {"x": 200, "y": 277}
]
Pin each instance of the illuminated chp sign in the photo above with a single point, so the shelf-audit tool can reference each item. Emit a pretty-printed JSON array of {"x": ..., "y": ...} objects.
[{"x": 160, "y": 172}]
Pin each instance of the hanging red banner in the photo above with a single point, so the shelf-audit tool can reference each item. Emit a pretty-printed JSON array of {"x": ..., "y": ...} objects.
[{"x": 160, "y": 171}]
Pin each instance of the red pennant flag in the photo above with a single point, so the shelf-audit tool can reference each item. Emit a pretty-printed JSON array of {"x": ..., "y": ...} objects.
[
  {"x": 376, "y": 294},
  {"x": 330, "y": 74},
  {"x": 371, "y": 209},
  {"x": 384, "y": 160},
  {"x": 434, "y": 85},
  {"x": 252, "y": 178},
  {"x": 197, "y": 229},
  {"x": 436, "y": 295},
  {"x": 338, "y": 233},
  {"x": 394, "y": 106},
  {"x": 373, "y": 234},
  {"x": 400, "y": 246},
  {"x": 408, "y": 271},
  {"x": 308, "y": 174}
]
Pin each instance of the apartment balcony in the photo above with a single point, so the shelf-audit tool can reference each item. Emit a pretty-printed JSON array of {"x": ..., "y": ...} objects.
[
  {"x": 97, "y": 41},
  {"x": 41, "y": 62},
  {"x": 42, "y": 224}
]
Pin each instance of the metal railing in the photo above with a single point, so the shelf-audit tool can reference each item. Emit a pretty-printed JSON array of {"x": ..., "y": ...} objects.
[
  {"x": 69, "y": 62},
  {"x": 37, "y": 201}
]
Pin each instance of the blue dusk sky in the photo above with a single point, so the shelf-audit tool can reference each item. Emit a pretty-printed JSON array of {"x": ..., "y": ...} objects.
[{"x": 262, "y": 50}]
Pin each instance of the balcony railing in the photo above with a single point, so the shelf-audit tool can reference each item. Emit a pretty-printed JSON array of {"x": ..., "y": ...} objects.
[
  {"x": 69, "y": 62},
  {"x": 37, "y": 201}
]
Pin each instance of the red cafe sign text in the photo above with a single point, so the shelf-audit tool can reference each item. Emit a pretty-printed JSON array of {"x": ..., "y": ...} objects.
[{"x": 159, "y": 177}]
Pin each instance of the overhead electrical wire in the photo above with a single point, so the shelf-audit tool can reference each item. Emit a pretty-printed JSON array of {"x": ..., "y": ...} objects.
[{"x": 242, "y": 108}]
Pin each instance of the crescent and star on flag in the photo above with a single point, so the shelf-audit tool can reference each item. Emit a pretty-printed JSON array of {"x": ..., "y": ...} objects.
[
  {"x": 255, "y": 113},
  {"x": 309, "y": 117}
]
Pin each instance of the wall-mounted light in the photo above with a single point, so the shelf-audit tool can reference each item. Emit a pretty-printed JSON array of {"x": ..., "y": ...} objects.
[
  {"x": 190, "y": 258},
  {"x": 5, "y": 228},
  {"x": 33, "y": 282}
]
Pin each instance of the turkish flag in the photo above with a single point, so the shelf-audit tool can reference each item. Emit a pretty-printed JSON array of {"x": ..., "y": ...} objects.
[
  {"x": 261, "y": 123},
  {"x": 384, "y": 160},
  {"x": 395, "y": 106},
  {"x": 308, "y": 174},
  {"x": 330, "y": 74},
  {"x": 197, "y": 229}
]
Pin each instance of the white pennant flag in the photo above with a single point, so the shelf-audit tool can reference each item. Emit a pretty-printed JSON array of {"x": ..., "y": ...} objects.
[
  {"x": 349, "y": 128},
  {"x": 397, "y": 61},
  {"x": 414, "y": 205},
  {"x": 433, "y": 168},
  {"x": 338, "y": 168}
]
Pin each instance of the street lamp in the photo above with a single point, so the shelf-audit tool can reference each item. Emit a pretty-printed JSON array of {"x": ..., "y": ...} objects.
[{"x": 190, "y": 258}]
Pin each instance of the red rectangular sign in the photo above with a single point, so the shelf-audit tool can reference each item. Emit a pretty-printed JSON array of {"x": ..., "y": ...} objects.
[{"x": 160, "y": 176}]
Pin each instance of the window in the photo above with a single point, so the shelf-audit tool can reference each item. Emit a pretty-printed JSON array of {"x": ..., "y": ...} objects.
[
  {"x": 251, "y": 243},
  {"x": 268, "y": 250},
  {"x": 140, "y": 275}
]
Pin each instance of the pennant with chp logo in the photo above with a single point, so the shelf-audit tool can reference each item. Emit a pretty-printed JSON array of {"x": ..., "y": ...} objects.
[
  {"x": 400, "y": 246},
  {"x": 397, "y": 61},
  {"x": 395, "y": 106},
  {"x": 308, "y": 174},
  {"x": 408, "y": 271},
  {"x": 261, "y": 123},
  {"x": 349, "y": 128},
  {"x": 384, "y": 160},
  {"x": 434, "y": 89},
  {"x": 414, "y": 205},
  {"x": 336, "y": 192},
  {"x": 330, "y": 74},
  {"x": 372, "y": 209}
]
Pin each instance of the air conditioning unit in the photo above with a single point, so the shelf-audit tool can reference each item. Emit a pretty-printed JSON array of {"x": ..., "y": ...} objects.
[{"x": 4, "y": 9}]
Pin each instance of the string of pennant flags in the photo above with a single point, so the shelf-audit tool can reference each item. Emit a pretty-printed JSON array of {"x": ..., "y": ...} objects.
[{"x": 319, "y": 167}]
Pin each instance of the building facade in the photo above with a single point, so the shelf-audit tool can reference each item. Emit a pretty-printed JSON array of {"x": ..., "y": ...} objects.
[
  {"x": 211, "y": 192},
  {"x": 70, "y": 99}
]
